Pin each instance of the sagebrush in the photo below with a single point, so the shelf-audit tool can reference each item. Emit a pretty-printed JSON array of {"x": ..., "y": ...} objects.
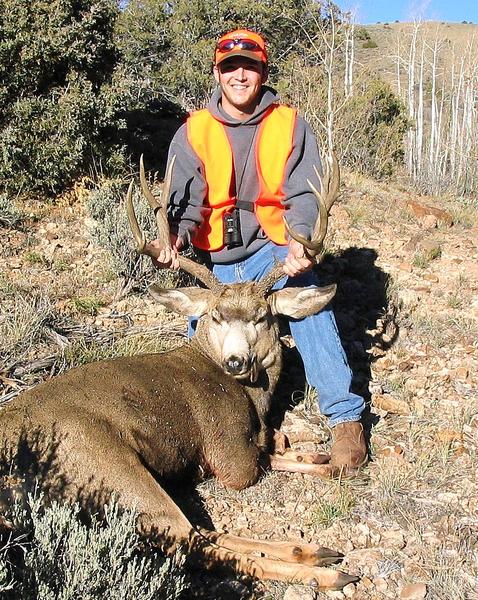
[
  {"x": 111, "y": 230},
  {"x": 53, "y": 555}
]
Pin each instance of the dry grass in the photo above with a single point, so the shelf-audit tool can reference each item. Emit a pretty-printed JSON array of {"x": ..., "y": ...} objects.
[
  {"x": 22, "y": 319},
  {"x": 336, "y": 504},
  {"x": 465, "y": 212},
  {"x": 450, "y": 568},
  {"x": 83, "y": 351},
  {"x": 427, "y": 493}
]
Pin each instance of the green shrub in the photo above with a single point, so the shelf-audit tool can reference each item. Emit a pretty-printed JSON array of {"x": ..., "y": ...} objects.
[
  {"x": 10, "y": 216},
  {"x": 55, "y": 556},
  {"x": 362, "y": 34},
  {"x": 56, "y": 109},
  {"x": 371, "y": 128},
  {"x": 370, "y": 44}
]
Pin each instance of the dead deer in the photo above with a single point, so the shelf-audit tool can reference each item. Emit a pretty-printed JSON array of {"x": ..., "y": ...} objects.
[{"x": 124, "y": 425}]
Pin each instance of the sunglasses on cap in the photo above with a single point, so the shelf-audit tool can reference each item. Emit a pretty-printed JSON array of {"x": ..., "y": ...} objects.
[{"x": 228, "y": 45}]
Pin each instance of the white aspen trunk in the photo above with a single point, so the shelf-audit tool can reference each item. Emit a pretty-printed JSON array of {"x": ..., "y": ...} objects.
[
  {"x": 330, "y": 91},
  {"x": 331, "y": 45},
  {"x": 473, "y": 158},
  {"x": 352, "y": 59},
  {"x": 461, "y": 124},
  {"x": 398, "y": 60},
  {"x": 453, "y": 119},
  {"x": 347, "y": 60},
  {"x": 440, "y": 157},
  {"x": 419, "y": 133},
  {"x": 468, "y": 120},
  {"x": 431, "y": 141},
  {"x": 411, "y": 102}
]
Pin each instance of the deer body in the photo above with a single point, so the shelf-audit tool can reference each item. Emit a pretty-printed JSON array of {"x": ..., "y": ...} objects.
[
  {"x": 175, "y": 424},
  {"x": 122, "y": 426}
]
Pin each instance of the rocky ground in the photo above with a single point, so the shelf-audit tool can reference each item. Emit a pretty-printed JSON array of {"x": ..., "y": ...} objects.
[{"x": 407, "y": 309}]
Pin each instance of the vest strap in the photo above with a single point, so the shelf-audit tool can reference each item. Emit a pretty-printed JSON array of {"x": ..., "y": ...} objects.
[{"x": 245, "y": 205}]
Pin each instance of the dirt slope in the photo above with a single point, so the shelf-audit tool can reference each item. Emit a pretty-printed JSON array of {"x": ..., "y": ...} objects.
[{"x": 407, "y": 309}]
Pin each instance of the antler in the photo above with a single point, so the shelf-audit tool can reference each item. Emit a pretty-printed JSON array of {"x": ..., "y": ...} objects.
[
  {"x": 329, "y": 191},
  {"x": 195, "y": 269},
  {"x": 274, "y": 275}
]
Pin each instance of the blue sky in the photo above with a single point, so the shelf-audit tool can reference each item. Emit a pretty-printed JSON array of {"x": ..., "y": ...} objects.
[{"x": 371, "y": 11}]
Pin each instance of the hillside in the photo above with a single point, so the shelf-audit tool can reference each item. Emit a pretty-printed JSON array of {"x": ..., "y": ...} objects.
[
  {"x": 389, "y": 37},
  {"x": 407, "y": 310}
]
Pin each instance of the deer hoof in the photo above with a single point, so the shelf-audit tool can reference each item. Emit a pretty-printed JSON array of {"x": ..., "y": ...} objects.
[{"x": 280, "y": 442}]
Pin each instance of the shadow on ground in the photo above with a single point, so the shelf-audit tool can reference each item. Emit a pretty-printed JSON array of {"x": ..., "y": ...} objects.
[{"x": 361, "y": 300}]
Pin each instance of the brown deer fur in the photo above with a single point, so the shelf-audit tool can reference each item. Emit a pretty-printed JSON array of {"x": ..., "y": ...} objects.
[{"x": 122, "y": 425}]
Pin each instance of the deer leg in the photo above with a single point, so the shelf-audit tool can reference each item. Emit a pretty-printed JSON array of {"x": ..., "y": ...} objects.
[
  {"x": 162, "y": 520},
  {"x": 306, "y": 554},
  {"x": 214, "y": 549},
  {"x": 322, "y": 579},
  {"x": 103, "y": 465},
  {"x": 311, "y": 458},
  {"x": 282, "y": 463},
  {"x": 267, "y": 568}
]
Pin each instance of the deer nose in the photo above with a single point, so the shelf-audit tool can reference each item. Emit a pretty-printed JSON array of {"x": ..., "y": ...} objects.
[{"x": 235, "y": 364}]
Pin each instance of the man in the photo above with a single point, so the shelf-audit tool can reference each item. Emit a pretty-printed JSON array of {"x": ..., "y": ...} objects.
[{"x": 239, "y": 164}]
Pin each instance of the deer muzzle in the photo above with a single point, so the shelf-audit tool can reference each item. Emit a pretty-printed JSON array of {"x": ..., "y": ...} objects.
[{"x": 240, "y": 367}]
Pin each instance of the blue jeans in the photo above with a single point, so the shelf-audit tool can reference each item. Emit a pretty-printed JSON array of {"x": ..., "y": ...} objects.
[{"x": 316, "y": 337}]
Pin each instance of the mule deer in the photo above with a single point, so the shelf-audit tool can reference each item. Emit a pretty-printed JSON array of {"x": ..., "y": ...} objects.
[{"x": 123, "y": 425}]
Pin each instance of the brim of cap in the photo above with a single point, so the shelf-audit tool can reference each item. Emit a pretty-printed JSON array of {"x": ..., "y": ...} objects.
[{"x": 222, "y": 56}]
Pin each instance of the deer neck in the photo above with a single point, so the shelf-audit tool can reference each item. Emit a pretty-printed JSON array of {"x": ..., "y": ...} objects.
[{"x": 261, "y": 390}]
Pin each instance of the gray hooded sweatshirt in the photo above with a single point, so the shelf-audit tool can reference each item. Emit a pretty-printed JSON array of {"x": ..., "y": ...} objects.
[{"x": 189, "y": 189}]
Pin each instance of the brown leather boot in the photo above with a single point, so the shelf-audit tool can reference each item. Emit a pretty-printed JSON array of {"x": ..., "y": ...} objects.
[{"x": 348, "y": 446}]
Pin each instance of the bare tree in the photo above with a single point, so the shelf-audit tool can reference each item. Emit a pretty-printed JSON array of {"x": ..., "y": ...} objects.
[
  {"x": 442, "y": 97},
  {"x": 333, "y": 47}
]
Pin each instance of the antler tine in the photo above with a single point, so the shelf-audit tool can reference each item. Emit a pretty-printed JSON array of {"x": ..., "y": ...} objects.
[
  {"x": 274, "y": 275},
  {"x": 201, "y": 272},
  {"x": 158, "y": 208},
  {"x": 329, "y": 190},
  {"x": 195, "y": 269},
  {"x": 133, "y": 221}
]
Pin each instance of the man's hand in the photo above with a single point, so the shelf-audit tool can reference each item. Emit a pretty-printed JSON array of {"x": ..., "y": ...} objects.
[
  {"x": 297, "y": 261},
  {"x": 168, "y": 257}
]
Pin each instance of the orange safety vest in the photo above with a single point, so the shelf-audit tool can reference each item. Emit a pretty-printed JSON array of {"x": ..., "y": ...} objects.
[{"x": 209, "y": 141}]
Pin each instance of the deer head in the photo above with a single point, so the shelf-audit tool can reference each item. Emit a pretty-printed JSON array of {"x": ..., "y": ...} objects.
[{"x": 237, "y": 325}]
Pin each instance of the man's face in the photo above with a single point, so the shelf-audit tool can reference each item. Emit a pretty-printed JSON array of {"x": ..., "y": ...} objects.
[{"x": 240, "y": 80}]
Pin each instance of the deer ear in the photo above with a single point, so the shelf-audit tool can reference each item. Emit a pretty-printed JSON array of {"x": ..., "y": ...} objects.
[
  {"x": 191, "y": 302},
  {"x": 301, "y": 302}
]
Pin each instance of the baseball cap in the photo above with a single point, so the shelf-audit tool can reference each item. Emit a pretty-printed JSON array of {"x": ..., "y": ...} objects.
[{"x": 241, "y": 42}]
